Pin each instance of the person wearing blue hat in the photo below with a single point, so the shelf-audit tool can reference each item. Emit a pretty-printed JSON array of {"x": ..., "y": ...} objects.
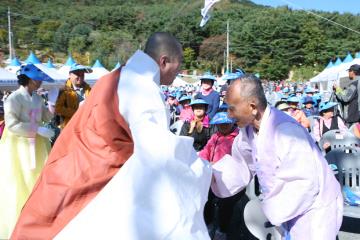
[
  {"x": 309, "y": 108},
  {"x": 309, "y": 91},
  {"x": 172, "y": 106},
  {"x": 186, "y": 112},
  {"x": 24, "y": 145},
  {"x": 327, "y": 121},
  {"x": 207, "y": 93},
  {"x": 296, "y": 113},
  {"x": 229, "y": 77},
  {"x": 199, "y": 126},
  {"x": 286, "y": 91},
  {"x": 219, "y": 145},
  {"x": 76, "y": 90}
]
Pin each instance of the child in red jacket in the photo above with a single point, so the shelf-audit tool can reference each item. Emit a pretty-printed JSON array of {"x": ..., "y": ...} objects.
[
  {"x": 220, "y": 142},
  {"x": 224, "y": 216}
]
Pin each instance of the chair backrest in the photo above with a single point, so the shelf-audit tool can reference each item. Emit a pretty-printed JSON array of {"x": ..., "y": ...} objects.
[
  {"x": 339, "y": 139},
  {"x": 176, "y": 127},
  {"x": 312, "y": 120},
  {"x": 347, "y": 161},
  {"x": 253, "y": 188},
  {"x": 257, "y": 223}
]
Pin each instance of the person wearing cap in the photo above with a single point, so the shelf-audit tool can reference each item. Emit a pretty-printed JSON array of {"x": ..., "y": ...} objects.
[
  {"x": 217, "y": 147},
  {"x": 186, "y": 112},
  {"x": 171, "y": 104},
  {"x": 298, "y": 188},
  {"x": 74, "y": 93},
  {"x": 24, "y": 146},
  {"x": 199, "y": 126},
  {"x": 283, "y": 106},
  {"x": 117, "y": 171},
  {"x": 350, "y": 97},
  {"x": 208, "y": 94},
  {"x": 229, "y": 77},
  {"x": 296, "y": 113},
  {"x": 285, "y": 91},
  {"x": 309, "y": 91},
  {"x": 327, "y": 121},
  {"x": 309, "y": 109}
]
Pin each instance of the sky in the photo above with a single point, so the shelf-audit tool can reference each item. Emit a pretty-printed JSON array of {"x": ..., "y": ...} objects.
[{"x": 352, "y": 6}]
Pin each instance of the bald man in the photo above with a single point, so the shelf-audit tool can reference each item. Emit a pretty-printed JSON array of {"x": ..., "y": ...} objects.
[
  {"x": 116, "y": 171},
  {"x": 298, "y": 189}
]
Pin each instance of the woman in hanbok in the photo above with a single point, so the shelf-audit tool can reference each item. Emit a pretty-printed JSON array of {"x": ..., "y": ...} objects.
[{"x": 24, "y": 146}]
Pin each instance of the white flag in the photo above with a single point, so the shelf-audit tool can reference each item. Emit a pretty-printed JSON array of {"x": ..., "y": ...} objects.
[{"x": 205, "y": 12}]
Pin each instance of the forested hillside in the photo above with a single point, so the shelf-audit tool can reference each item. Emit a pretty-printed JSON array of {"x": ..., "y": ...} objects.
[{"x": 271, "y": 41}]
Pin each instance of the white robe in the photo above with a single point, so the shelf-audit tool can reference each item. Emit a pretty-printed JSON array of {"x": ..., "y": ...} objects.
[{"x": 160, "y": 192}]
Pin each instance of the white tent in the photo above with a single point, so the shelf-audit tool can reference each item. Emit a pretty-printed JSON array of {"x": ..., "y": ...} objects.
[
  {"x": 14, "y": 65},
  {"x": 8, "y": 80},
  {"x": 328, "y": 76},
  {"x": 344, "y": 73},
  {"x": 178, "y": 82},
  {"x": 64, "y": 70},
  {"x": 98, "y": 72}
]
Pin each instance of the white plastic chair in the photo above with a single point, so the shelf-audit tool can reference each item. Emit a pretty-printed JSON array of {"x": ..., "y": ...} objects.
[
  {"x": 257, "y": 222},
  {"x": 176, "y": 127},
  {"x": 255, "y": 219}
]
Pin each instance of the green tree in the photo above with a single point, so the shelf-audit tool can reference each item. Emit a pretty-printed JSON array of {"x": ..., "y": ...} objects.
[
  {"x": 46, "y": 31},
  {"x": 313, "y": 41},
  {"x": 189, "y": 57}
]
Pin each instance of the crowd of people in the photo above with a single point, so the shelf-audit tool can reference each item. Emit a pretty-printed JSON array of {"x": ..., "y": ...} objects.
[{"x": 65, "y": 154}]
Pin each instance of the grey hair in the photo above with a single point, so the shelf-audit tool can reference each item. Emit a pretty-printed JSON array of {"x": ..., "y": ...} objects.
[
  {"x": 251, "y": 87},
  {"x": 163, "y": 43}
]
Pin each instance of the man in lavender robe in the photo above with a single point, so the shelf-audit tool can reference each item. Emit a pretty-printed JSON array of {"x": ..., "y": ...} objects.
[{"x": 299, "y": 192}]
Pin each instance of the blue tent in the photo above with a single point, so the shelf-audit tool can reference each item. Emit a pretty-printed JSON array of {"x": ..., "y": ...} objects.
[
  {"x": 32, "y": 59},
  {"x": 49, "y": 64},
  {"x": 15, "y": 62},
  {"x": 117, "y": 65},
  {"x": 338, "y": 62},
  {"x": 357, "y": 55},
  {"x": 70, "y": 61},
  {"x": 330, "y": 64},
  {"x": 348, "y": 58},
  {"x": 97, "y": 64}
]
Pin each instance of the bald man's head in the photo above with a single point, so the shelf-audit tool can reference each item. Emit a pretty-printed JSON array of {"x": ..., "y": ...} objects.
[
  {"x": 166, "y": 51},
  {"x": 246, "y": 100}
]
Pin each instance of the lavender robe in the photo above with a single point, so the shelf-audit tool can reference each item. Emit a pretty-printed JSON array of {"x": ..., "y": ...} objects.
[{"x": 299, "y": 190}]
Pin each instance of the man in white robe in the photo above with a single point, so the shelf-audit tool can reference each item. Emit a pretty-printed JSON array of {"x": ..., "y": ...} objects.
[{"x": 160, "y": 191}]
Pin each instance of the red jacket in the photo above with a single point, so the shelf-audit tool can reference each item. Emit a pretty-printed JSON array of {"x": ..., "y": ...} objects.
[{"x": 218, "y": 146}]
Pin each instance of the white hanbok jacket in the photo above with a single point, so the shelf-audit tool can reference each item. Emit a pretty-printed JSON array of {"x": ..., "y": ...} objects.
[{"x": 160, "y": 192}]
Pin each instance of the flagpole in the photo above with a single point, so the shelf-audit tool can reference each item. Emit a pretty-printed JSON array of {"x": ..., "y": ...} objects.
[
  {"x": 10, "y": 37},
  {"x": 227, "y": 46}
]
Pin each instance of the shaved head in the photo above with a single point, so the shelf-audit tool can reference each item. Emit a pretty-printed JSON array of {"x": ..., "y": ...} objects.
[
  {"x": 163, "y": 43},
  {"x": 249, "y": 87},
  {"x": 166, "y": 51},
  {"x": 246, "y": 100}
]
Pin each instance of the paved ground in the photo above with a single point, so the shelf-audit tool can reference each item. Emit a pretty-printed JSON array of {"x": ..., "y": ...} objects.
[{"x": 348, "y": 236}]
